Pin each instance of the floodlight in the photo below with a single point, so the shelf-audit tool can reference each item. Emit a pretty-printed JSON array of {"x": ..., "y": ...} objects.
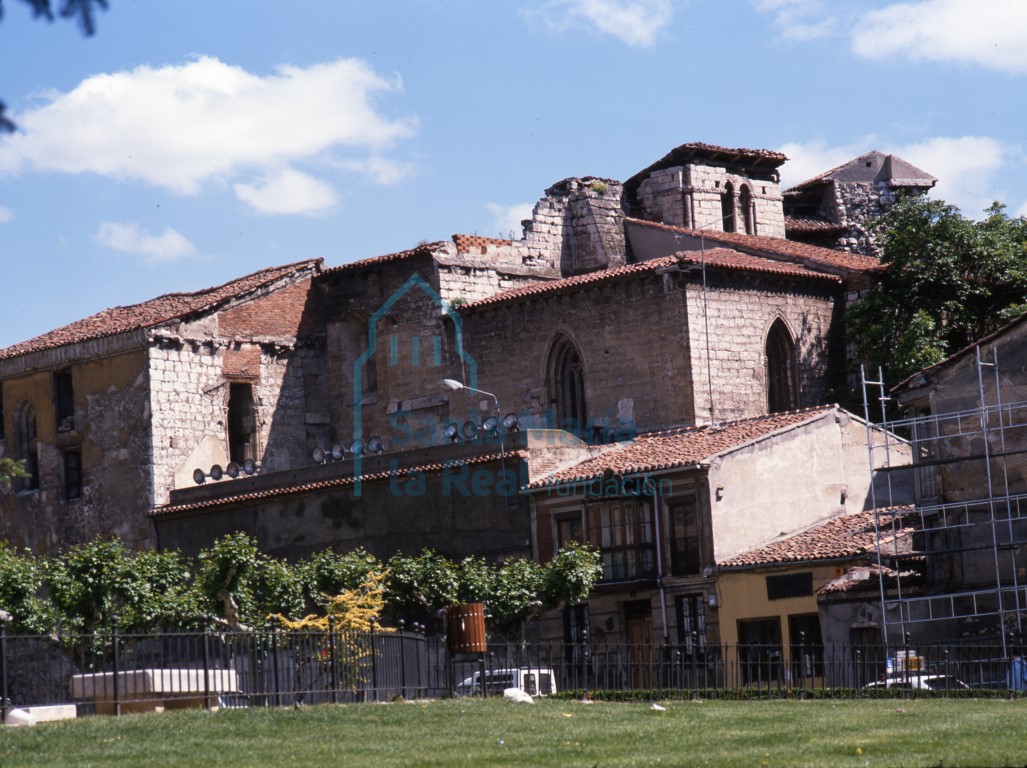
[
  {"x": 338, "y": 452},
  {"x": 249, "y": 466},
  {"x": 318, "y": 455},
  {"x": 491, "y": 425},
  {"x": 199, "y": 476},
  {"x": 376, "y": 445},
  {"x": 232, "y": 470},
  {"x": 357, "y": 447},
  {"x": 511, "y": 422},
  {"x": 470, "y": 429},
  {"x": 216, "y": 472},
  {"x": 452, "y": 432}
]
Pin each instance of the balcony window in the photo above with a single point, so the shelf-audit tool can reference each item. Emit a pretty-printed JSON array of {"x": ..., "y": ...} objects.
[{"x": 622, "y": 530}]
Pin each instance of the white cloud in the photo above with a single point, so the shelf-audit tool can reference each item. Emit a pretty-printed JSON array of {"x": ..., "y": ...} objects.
[
  {"x": 183, "y": 127},
  {"x": 6, "y": 214},
  {"x": 381, "y": 170},
  {"x": 635, "y": 22},
  {"x": 799, "y": 19},
  {"x": 987, "y": 33},
  {"x": 967, "y": 167},
  {"x": 132, "y": 238},
  {"x": 287, "y": 192},
  {"x": 507, "y": 218}
]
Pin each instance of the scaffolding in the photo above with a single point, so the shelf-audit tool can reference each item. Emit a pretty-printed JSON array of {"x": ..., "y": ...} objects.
[{"x": 964, "y": 578}]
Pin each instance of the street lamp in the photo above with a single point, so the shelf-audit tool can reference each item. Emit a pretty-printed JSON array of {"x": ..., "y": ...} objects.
[{"x": 453, "y": 384}]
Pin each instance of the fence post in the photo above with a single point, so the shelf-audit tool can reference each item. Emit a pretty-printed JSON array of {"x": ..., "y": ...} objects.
[
  {"x": 274, "y": 665},
  {"x": 802, "y": 663},
  {"x": 403, "y": 657},
  {"x": 206, "y": 662},
  {"x": 114, "y": 649},
  {"x": 333, "y": 671},
  {"x": 4, "y": 616}
]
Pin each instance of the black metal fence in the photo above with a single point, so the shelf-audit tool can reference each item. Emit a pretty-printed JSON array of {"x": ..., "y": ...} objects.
[{"x": 113, "y": 672}]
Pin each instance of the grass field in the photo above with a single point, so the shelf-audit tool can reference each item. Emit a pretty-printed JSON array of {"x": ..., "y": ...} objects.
[{"x": 550, "y": 733}]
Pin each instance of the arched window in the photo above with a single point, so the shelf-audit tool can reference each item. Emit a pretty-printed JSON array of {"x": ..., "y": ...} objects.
[
  {"x": 727, "y": 207},
  {"x": 25, "y": 442},
  {"x": 745, "y": 208},
  {"x": 782, "y": 373},
  {"x": 567, "y": 385}
]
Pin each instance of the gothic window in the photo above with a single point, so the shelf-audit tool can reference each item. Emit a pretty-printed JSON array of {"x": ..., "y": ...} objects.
[
  {"x": 25, "y": 443},
  {"x": 745, "y": 208},
  {"x": 63, "y": 401},
  {"x": 727, "y": 207},
  {"x": 782, "y": 391},
  {"x": 567, "y": 386},
  {"x": 242, "y": 423}
]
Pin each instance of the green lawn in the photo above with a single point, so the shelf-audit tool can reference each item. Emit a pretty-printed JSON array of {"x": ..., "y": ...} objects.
[{"x": 558, "y": 733}]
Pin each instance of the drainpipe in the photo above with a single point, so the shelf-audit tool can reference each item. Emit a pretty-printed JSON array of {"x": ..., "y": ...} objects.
[{"x": 658, "y": 523}]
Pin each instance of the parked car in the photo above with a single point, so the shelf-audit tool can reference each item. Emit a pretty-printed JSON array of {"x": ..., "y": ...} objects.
[
  {"x": 536, "y": 681},
  {"x": 920, "y": 681}
]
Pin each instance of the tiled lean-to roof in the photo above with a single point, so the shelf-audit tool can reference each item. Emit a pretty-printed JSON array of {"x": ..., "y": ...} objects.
[
  {"x": 775, "y": 248},
  {"x": 669, "y": 449},
  {"x": 148, "y": 314},
  {"x": 722, "y": 258},
  {"x": 839, "y": 538},
  {"x": 286, "y": 489},
  {"x": 387, "y": 258}
]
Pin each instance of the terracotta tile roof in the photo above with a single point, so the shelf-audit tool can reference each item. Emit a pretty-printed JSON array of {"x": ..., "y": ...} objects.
[
  {"x": 476, "y": 243},
  {"x": 777, "y": 248},
  {"x": 682, "y": 154},
  {"x": 148, "y": 314},
  {"x": 284, "y": 491},
  {"x": 864, "y": 578},
  {"x": 387, "y": 258},
  {"x": 723, "y": 258},
  {"x": 812, "y": 224},
  {"x": 842, "y": 537},
  {"x": 668, "y": 449}
]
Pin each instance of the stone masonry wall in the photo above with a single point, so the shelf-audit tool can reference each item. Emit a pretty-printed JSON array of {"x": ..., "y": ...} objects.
[
  {"x": 691, "y": 196},
  {"x": 740, "y": 315}
]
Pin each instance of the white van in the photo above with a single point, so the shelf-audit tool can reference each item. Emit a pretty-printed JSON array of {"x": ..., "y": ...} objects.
[
  {"x": 918, "y": 681},
  {"x": 535, "y": 681}
]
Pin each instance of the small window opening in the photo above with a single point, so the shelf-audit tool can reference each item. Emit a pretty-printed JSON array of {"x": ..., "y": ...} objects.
[{"x": 242, "y": 423}]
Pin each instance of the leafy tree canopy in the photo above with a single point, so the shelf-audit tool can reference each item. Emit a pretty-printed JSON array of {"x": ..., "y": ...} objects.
[
  {"x": 82, "y": 11},
  {"x": 948, "y": 281},
  {"x": 9, "y": 471}
]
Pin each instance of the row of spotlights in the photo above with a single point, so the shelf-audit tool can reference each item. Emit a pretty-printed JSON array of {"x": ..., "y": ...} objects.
[
  {"x": 338, "y": 451},
  {"x": 470, "y": 429},
  {"x": 232, "y": 470}
]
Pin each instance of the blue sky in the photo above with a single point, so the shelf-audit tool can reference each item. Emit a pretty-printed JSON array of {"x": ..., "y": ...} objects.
[{"x": 190, "y": 142}]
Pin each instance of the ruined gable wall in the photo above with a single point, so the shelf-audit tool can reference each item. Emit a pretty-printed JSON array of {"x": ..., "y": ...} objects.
[
  {"x": 193, "y": 364},
  {"x": 741, "y": 311}
]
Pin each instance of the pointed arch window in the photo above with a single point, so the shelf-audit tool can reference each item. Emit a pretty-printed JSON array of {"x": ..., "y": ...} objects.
[
  {"x": 782, "y": 371},
  {"x": 727, "y": 207},
  {"x": 567, "y": 385},
  {"x": 745, "y": 208}
]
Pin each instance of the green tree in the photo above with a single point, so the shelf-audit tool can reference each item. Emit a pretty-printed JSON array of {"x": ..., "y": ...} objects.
[
  {"x": 946, "y": 282},
  {"x": 10, "y": 470},
  {"x": 241, "y": 587},
  {"x": 21, "y": 582},
  {"x": 328, "y": 573},
  {"x": 92, "y": 582}
]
